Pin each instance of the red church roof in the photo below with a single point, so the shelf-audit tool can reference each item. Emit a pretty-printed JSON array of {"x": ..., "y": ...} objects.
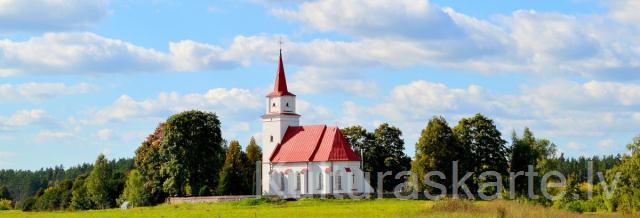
[
  {"x": 313, "y": 143},
  {"x": 280, "y": 86}
]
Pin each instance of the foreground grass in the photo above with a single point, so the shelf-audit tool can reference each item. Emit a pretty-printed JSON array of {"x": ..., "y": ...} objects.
[{"x": 326, "y": 208}]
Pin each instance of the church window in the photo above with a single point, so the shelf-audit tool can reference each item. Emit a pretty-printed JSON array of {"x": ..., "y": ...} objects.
[
  {"x": 274, "y": 104},
  {"x": 338, "y": 182},
  {"x": 282, "y": 182},
  {"x": 320, "y": 181},
  {"x": 287, "y": 104},
  {"x": 271, "y": 138},
  {"x": 353, "y": 181},
  {"x": 298, "y": 182}
]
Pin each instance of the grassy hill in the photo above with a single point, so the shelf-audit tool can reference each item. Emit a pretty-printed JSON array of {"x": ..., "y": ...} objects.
[{"x": 327, "y": 208}]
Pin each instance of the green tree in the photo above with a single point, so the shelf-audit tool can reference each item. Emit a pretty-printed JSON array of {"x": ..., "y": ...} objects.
[
  {"x": 4, "y": 193},
  {"x": 387, "y": 153},
  {"x": 523, "y": 154},
  {"x": 483, "y": 146},
  {"x": 79, "y": 198},
  {"x": 232, "y": 178},
  {"x": 254, "y": 154},
  {"x": 98, "y": 184},
  {"x": 134, "y": 190},
  {"x": 193, "y": 152},
  {"x": 626, "y": 197},
  {"x": 436, "y": 149},
  {"x": 148, "y": 162}
]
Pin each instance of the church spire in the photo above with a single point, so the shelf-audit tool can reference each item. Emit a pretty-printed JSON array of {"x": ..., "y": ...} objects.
[{"x": 280, "y": 86}]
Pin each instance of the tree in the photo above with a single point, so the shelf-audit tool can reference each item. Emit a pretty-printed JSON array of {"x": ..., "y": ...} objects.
[
  {"x": 98, "y": 184},
  {"x": 192, "y": 151},
  {"x": 388, "y": 153},
  {"x": 254, "y": 154},
  {"x": 148, "y": 162},
  {"x": 523, "y": 154},
  {"x": 4, "y": 193},
  {"x": 483, "y": 146},
  {"x": 626, "y": 197},
  {"x": 382, "y": 150},
  {"x": 359, "y": 139},
  {"x": 436, "y": 149},
  {"x": 134, "y": 190},
  {"x": 232, "y": 178},
  {"x": 79, "y": 198}
]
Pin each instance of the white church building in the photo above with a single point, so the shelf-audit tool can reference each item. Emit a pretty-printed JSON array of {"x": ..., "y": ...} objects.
[{"x": 304, "y": 160}]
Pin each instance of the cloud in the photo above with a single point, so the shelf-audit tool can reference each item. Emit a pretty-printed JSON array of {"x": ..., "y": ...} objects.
[
  {"x": 47, "y": 135},
  {"x": 105, "y": 134},
  {"x": 227, "y": 103},
  {"x": 23, "y": 118},
  {"x": 376, "y": 18},
  {"x": 606, "y": 144},
  {"x": 636, "y": 116},
  {"x": 593, "y": 46},
  {"x": 89, "y": 53},
  {"x": 311, "y": 80},
  {"x": 47, "y": 15},
  {"x": 40, "y": 91}
]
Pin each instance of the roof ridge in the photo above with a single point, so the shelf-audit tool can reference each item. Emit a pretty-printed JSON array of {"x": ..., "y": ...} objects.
[{"x": 315, "y": 150}]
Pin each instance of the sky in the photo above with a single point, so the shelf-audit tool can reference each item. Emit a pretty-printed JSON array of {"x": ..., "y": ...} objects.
[{"x": 79, "y": 78}]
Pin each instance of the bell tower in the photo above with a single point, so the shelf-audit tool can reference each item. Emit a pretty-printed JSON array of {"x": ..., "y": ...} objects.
[{"x": 280, "y": 113}]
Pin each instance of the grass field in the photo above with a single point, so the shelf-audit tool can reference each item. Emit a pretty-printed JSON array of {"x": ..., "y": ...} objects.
[{"x": 326, "y": 208}]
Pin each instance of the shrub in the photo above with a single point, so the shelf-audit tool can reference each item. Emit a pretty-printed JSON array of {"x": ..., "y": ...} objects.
[
  {"x": 26, "y": 204},
  {"x": 575, "y": 206},
  {"x": 454, "y": 205},
  {"x": 5, "y": 204}
]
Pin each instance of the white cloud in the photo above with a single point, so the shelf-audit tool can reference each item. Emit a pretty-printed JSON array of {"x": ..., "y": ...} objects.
[
  {"x": 606, "y": 144},
  {"x": 574, "y": 146},
  {"x": 377, "y": 18},
  {"x": 47, "y": 15},
  {"x": 23, "y": 118},
  {"x": 636, "y": 116},
  {"x": 227, "y": 103},
  {"x": 89, "y": 53},
  {"x": 47, "y": 135},
  {"x": 40, "y": 91},
  {"x": 311, "y": 80},
  {"x": 105, "y": 134},
  {"x": 593, "y": 46}
]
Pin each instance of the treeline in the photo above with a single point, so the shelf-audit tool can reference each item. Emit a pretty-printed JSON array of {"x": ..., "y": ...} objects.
[
  {"x": 22, "y": 186},
  {"x": 187, "y": 156}
]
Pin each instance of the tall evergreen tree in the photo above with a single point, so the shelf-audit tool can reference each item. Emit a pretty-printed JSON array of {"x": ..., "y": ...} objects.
[
  {"x": 254, "y": 154},
  {"x": 436, "y": 149},
  {"x": 232, "y": 177},
  {"x": 79, "y": 198},
  {"x": 98, "y": 184}
]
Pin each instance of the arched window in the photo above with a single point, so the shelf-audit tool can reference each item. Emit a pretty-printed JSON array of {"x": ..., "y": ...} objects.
[
  {"x": 282, "y": 182},
  {"x": 274, "y": 104},
  {"x": 271, "y": 139},
  {"x": 287, "y": 104},
  {"x": 338, "y": 182},
  {"x": 320, "y": 181},
  {"x": 298, "y": 182}
]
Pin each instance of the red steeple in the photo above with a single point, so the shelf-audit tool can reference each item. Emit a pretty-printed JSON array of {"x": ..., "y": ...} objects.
[{"x": 280, "y": 86}]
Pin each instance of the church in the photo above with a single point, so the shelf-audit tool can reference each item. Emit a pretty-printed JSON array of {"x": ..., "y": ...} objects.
[{"x": 304, "y": 160}]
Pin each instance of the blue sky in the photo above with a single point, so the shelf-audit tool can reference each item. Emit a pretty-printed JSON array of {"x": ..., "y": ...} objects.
[{"x": 79, "y": 78}]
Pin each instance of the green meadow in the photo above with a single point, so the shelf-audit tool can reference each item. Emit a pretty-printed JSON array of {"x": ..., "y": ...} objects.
[{"x": 327, "y": 208}]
